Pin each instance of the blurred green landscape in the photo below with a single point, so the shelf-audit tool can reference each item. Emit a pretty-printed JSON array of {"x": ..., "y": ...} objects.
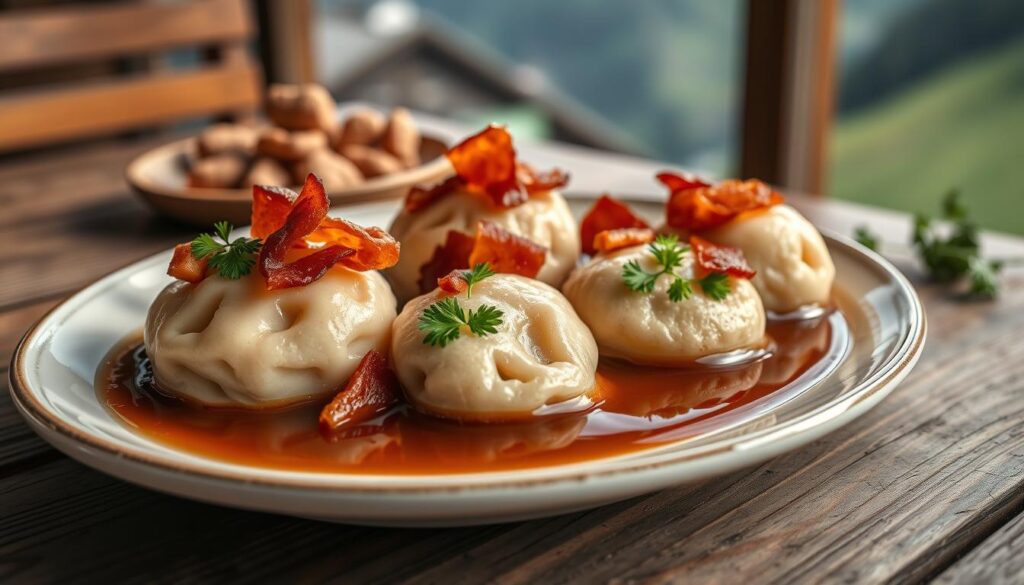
[{"x": 962, "y": 128}]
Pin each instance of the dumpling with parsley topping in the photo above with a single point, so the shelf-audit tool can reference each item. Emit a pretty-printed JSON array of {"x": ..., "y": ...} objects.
[
  {"x": 497, "y": 351},
  {"x": 664, "y": 302},
  {"x": 280, "y": 317}
]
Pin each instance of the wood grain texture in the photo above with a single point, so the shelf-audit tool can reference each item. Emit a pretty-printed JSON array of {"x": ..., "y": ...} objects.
[
  {"x": 997, "y": 560},
  {"x": 76, "y": 33},
  {"x": 34, "y": 118},
  {"x": 931, "y": 482}
]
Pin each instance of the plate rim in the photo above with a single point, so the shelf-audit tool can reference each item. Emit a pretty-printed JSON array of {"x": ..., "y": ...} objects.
[{"x": 876, "y": 386}]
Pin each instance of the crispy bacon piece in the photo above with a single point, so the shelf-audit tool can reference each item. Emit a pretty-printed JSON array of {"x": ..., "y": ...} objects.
[
  {"x": 375, "y": 249},
  {"x": 506, "y": 252},
  {"x": 451, "y": 255},
  {"x": 372, "y": 389},
  {"x": 537, "y": 182},
  {"x": 454, "y": 283},
  {"x": 711, "y": 257},
  {"x": 503, "y": 250},
  {"x": 270, "y": 207},
  {"x": 611, "y": 240},
  {"x": 606, "y": 214},
  {"x": 485, "y": 163},
  {"x": 309, "y": 209},
  {"x": 696, "y": 206},
  {"x": 185, "y": 266}
]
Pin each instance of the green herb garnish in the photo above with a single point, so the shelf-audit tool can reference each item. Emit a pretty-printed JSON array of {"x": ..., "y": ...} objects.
[
  {"x": 667, "y": 250},
  {"x": 232, "y": 259},
  {"x": 445, "y": 320},
  {"x": 951, "y": 256}
]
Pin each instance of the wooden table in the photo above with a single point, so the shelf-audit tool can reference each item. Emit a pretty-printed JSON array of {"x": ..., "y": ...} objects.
[{"x": 927, "y": 485}]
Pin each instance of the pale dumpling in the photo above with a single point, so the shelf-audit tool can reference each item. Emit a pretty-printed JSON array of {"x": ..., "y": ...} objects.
[
  {"x": 649, "y": 328},
  {"x": 541, "y": 354},
  {"x": 793, "y": 265},
  {"x": 544, "y": 218},
  {"x": 233, "y": 343}
]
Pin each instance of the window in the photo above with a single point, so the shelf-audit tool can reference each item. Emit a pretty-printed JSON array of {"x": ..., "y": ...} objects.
[
  {"x": 931, "y": 98},
  {"x": 659, "y": 79}
]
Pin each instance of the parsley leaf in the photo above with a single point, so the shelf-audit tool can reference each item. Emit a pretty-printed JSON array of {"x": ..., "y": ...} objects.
[
  {"x": 866, "y": 238},
  {"x": 479, "y": 272},
  {"x": 668, "y": 252},
  {"x": 232, "y": 259},
  {"x": 444, "y": 320},
  {"x": 679, "y": 290},
  {"x": 716, "y": 285},
  {"x": 484, "y": 320},
  {"x": 953, "y": 255}
]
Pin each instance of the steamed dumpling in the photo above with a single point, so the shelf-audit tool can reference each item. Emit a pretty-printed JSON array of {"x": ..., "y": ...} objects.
[
  {"x": 233, "y": 343},
  {"x": 541, "y": 354},
  {"x": 544, "y": 218},
  {"x": 792, "y": 262},
  {"x": 649, "y": 328}
]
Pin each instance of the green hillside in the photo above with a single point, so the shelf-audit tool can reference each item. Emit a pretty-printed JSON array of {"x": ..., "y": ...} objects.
[{"x": 961, "y": 128}]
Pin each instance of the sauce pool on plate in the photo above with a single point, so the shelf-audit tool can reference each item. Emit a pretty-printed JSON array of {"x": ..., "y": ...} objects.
[{"x": 636, "y": 408}]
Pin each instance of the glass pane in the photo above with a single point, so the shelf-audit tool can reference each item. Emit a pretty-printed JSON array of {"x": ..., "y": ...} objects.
[
  {"x": 660, "y": 79},
  {"x": 931, "y": 98}
]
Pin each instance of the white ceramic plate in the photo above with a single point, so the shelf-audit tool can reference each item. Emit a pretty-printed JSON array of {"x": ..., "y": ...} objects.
[{"x": 52, "y": 385}]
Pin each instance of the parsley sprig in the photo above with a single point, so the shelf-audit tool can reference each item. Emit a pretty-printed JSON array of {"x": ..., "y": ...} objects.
[
  {"x": 952, "y": 256},
  {"x": 668, "y": 252},
  {"x": 445, "y": 320},
  {"x": 232, "y": 259}
]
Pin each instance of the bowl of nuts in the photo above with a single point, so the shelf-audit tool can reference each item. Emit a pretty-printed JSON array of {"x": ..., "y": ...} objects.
[{"x": 367, "y": 155}]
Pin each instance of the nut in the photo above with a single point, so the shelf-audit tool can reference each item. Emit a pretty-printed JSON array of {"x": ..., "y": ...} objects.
[
  {"x": 401, "y": 138},
  {"x": 221, "y": 171},
  {"x": 372, "y": 162},
  {"x": 335, "y": 170},
  {"x": 267, "y": 171},
  {"x": 363, "y": 126},
  {"x": 290, "y": 146},
  {"x": 224, "y": 138},
  {"x": 301, "y": 107}
]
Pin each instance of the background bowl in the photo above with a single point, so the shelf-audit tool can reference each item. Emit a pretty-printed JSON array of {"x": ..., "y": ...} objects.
[{"x": 159, "y": 177}]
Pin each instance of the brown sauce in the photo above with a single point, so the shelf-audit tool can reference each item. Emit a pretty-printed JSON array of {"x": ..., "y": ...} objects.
[{"x": 637, "y": 408}]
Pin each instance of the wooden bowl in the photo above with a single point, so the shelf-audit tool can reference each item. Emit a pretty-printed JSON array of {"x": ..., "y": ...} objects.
[{"x": 159, "y": 177}]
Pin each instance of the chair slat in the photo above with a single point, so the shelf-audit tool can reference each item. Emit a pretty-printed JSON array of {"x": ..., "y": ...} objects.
[
  {"x": 78, "y": 33},
  {"x": 41, "y": 117}
]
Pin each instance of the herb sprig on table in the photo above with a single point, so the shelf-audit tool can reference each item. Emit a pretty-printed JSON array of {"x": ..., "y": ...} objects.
[
  {"x": 233, "y": 259},
  {"x": 668, "y": 252},
  {"x": 952, "y": 256},
  {"x": 445, "y": 320}
]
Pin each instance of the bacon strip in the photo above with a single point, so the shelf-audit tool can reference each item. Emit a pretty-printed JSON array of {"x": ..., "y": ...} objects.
[
  {"x": 711, "y": 257},
  {"x": 454, "y": 283},
  {"x": 611, "y": 240},
  {"x": 270, "y": 208},
  {"x": 694, "y": 205},
  {"x": 506, "y": 252},
  {"x": 185, "y": 266},
  {"x": 451, "y": 255},
  {"x": 375, "y": 249},
  {"x": 485, "y": 163},
  {"x": 606, "y": 214},
  {"x": 370, "y": 392},
  {"x": 309, "y": 209}
]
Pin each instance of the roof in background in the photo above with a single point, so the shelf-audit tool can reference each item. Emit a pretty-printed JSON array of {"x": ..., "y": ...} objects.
[{"x": 356, "y": 52}]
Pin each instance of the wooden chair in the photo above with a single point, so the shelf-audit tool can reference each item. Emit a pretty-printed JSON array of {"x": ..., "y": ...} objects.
[{"x": 227, "y": 82}]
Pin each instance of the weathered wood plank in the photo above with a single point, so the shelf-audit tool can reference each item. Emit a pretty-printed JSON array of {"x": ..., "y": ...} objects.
[{"x": 997, "y": 560}]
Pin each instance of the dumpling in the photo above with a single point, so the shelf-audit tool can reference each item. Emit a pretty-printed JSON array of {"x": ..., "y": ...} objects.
[
  {"x": 793, "y": 265},
  {"x": 544, "y": 218},
  {"x": 234, "y": 343},
  {"x": 649, "y": 328},
  {"x": 541, "y": 354}
]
